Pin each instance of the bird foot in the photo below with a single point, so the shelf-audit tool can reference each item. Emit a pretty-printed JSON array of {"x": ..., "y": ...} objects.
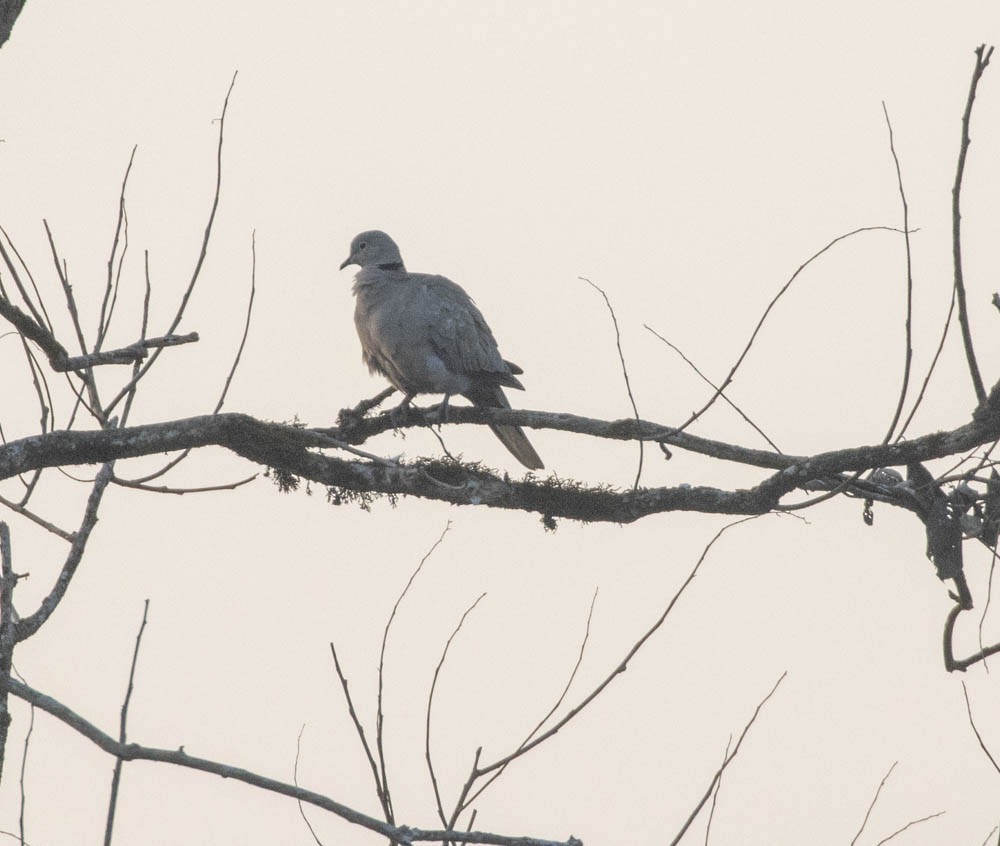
[
  {"x": 398, "y": 413},
  {"x": 439, "y": 413}
]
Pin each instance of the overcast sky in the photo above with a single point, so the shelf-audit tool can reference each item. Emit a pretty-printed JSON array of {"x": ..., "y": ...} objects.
[{"x": 687, "y": 157}]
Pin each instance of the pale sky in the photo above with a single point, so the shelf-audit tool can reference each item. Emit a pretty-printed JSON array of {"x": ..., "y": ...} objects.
[{"x": 687, "y": 157}]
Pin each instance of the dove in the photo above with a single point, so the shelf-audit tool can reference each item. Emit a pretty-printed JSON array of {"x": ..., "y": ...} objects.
[{"x": 426, "y": 336}]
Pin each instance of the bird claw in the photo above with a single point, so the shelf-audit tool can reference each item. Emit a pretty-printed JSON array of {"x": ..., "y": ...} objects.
[{"x": 397, "y": 414}]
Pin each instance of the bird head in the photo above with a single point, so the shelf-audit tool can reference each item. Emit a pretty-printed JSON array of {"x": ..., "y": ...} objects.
[{"x": 374, "y": 249}]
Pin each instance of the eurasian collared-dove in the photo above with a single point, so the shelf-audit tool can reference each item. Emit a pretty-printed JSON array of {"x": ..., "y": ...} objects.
[{"x": 426, "y": 336}]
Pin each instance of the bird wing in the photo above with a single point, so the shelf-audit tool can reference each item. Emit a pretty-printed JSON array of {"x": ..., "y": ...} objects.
[{"x": 458, "y": 332}]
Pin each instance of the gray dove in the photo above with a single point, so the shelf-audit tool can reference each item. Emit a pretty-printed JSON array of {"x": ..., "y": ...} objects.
[{"x": 426, "y": 336}]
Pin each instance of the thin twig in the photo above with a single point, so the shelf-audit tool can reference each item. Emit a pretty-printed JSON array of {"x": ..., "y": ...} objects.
[
  {"x": 621, "y": 358},
  {"x": 871, "y": 806},
  {"x": 170, "y": 465},
  {"x": 986, "y": 604},
  {"x": 144, "y": 328},
  {"x": 165, "y": 489},
  {"x": 623, "y": 664},
  {"x": 908, "y": 353},
  {"x": 178, "y": 316},
  {"x": 979, "y": 737},
  {"x": 770, "y": 306},
  {"x": 24, "y": 769},
  {"x": 910, "y": 824},
  {"x": 982, "y": 60},
  {"x": 117, "y": 775},
  {"x": 464, "y": 803},
  {"x": 430, "y": 706},
  {"x": 714, "y": 387},
  {"x": 358, "y": 728},
  {"x": 41, "y": 318},
  {"x": 121, "y": 229},
  {"x": 729, "y": 759},
  {"x": 8, "y": 635},
  {"x": 385, "y": 794},
  {"x": 295, "y": 780},
  {"x": 38, "y": 521},
  {"x": 715, "y": 794}
]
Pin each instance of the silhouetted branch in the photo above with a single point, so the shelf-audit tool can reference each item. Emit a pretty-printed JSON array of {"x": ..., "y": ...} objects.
[
  {"x": 908, "y": 352},
  {"x": 27, "y": 626},
  {"x": 430, "y": 706},
  {"x": 871, "y": 805},
  {"x": 729, "y": 759},
  {"x": 714, "y": 387},
  {"x": 950, "y": 662},
  {"x": 117, "y": 774},
  {"x": 621, "y": 359},
  {"x": 8, "y": 638},
  {"x": 178, "y": 757},
  {"x": 770, "y": 306},
  {"x": 291, "y": 450},
  {"x": 982, "y": 60},
  {"x": 121, "y": 236},
  {"x": 909, "y": 825}
]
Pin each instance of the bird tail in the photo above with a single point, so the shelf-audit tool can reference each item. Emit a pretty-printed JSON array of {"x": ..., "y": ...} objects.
[{"x": 512, "y": 437}]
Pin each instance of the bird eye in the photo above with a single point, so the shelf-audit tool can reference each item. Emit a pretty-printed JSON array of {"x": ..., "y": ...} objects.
[{"x": 362, "y": 245}]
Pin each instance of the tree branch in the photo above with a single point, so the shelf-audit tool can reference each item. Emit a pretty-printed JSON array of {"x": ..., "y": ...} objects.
[
  {"x": 135, "y": 752},
  {"x": 27, "y": 626},
  {"x": 289, "y": 449},
  {"x": 982, "y": 60}
]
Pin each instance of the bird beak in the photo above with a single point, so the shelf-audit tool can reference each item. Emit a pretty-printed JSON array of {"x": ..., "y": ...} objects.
[{"x": 347, "y": 261}]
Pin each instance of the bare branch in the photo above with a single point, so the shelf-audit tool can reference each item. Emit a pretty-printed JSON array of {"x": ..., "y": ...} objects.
[
  {"x": 170, "y": 465},
  {"x": 178, "y": 316},
  {"x": 430, "y": 706},
  {"x": 24, "y": 769},
  {"x": 982, "y": 60},
  {"x": 144, "y": 328},
  {"x": 384, "y": 794},
  {"x": 8, "y": 637},
  {"x": 124, "y": 355},
  {"x": 164, "y": 489},
  {"x": 121, "y": 233},
  {"x": 38, "y": 521},
  {"x": 950, "y": 662},
  {"x": 295, "y": 780},
  {"x": 462, "y": 803},
  {"x": 979, "y": 737},
  {"x": 729, "y": 759},
  {"x": 770, "y": 306},
  {"x": 292, "y": 450},
  {"x": 871, "y": 806},
  {"x": 621, "y": 358},
  {"x": 715, "y": 793},
  {"x": 116, "y": 776},
  {"x": 622, "y": 666},
  {"x": 41, "y": 318},
  {"x": 360, "y": 732},
  {"x": 27, "y": 626},
  {"x": 714, "y": 387},
  {"x": 178, "y": 757},
  {"x": 909, "y": 825},
  {"x": 31, "y": 330},
  {"x": 908, "y": 353}
]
